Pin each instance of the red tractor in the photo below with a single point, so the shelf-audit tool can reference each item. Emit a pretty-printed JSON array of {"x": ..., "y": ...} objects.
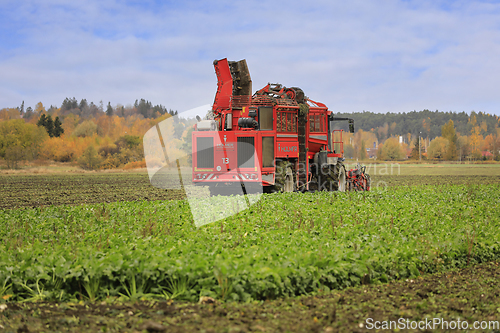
[
  {"x": 358, "y": 179},
  {"x": 275, "y": 140}
]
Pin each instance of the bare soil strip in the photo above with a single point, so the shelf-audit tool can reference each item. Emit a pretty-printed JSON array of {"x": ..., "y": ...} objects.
[
  {"x": 40, "y": 190},
  {"x": 471, "y": 294}
]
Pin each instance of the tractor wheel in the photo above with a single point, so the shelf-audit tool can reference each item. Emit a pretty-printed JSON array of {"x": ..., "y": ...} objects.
[
  {"x": 285, "y": 180},
  {"x": 338, "y": 177}
]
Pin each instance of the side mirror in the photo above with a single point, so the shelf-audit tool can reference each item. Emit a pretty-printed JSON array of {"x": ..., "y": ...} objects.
[{"x": 351, "y": 125}]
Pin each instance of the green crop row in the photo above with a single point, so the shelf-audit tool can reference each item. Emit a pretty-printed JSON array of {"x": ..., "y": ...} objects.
[{"x": 284, "y": 245}]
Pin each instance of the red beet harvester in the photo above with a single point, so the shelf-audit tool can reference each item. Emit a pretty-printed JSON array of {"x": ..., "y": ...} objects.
[{"x": 276, "y": 140}]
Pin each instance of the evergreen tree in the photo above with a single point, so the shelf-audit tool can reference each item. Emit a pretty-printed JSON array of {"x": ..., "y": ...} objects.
[
  {"x": 42, "y": 121},
  {"x": 109, "y": 110},
  {"x": 74, "y": 103},
  {"x": 28, "y": 113},
  {"x": 48, "y": 123},
  {"x": 69, "y": 104},
  {"x": 83, "y": 104},
  {"x": 49, "y": 126},
  {"x": 58, "y": 130},
  {"x": 144, "y": 107}
]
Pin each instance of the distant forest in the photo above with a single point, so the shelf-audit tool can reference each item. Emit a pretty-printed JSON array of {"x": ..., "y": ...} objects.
[
  {"x": 426, "y": 122},
  {"x": 93, "y": 136},
  {"x": 384, "y": 125},
  {"x": 104, "y": 136},
  {"x": 87, "y": 110}
]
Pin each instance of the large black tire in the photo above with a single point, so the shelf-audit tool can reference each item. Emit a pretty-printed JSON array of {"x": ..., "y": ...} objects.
[{"x": 338, "y": 177}]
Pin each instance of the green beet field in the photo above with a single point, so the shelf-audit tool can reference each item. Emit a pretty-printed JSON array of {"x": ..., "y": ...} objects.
[{"x": 147, "y": 257}]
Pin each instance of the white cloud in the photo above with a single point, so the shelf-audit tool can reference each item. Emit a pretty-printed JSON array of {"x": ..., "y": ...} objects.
[{"x": 358, "y": 55}]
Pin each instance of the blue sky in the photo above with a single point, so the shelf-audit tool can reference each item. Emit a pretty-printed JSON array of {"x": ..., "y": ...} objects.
[{"x": 381, "y": 56}]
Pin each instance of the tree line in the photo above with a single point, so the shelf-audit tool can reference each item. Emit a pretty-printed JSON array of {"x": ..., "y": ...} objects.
[
  {"x": 85, "y": 109},
  {"x": 82, "y": 133},
  {"x": 423, "y": 135},
  {"x": 450, "y": 145},
  {"x": 424, "y": 123},
  {"x": 111, "y": 136}
]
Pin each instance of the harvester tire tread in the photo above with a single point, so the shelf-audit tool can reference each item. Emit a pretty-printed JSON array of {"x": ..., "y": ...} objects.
[{"x": 338, "y": 176}]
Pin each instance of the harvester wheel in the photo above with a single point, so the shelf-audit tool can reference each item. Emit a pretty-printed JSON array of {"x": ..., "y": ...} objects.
[{"x": 338, "y": 179}]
